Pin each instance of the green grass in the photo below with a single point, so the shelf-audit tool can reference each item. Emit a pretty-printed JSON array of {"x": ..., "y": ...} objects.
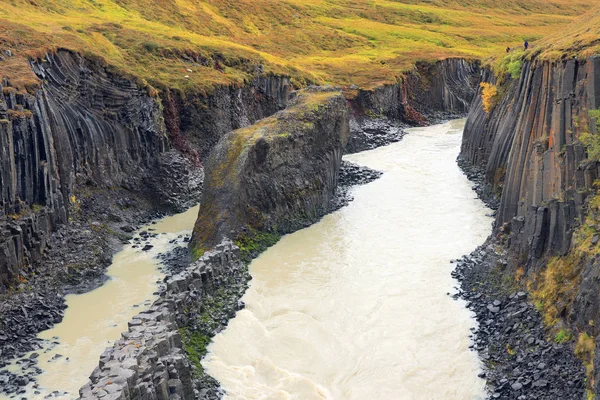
[
  {"x": 563, "y": 336},
  {"x": 343, "y": 42},
  {"x": 195, "y": 344},
  {"x": 591, "y": 141}
]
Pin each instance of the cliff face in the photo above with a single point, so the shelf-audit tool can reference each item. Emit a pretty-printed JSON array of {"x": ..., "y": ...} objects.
[
  {"x": 277, "y": 174},
  {"x": 201, "y": 120},
  {"x": 530, "y": 147},
  {"x": 87, "y": 130},
  {"x": 443, "y": 88},
  {"x": 428, "y": 93},
  {"x": 85, "y": 126}
]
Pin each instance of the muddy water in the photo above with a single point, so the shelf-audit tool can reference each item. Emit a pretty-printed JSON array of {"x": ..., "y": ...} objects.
[
  {"x": 94, "y": 320},
  {"x": 357, "y": 306}
]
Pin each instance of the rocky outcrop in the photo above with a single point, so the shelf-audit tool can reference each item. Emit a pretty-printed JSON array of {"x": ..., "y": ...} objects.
[
  {"x": 197, "y": 121},
  {"x": 530, "y": 148},
  {"x": 83, "y": 127},
  {"x": 276, "y": 175},
  {"x": 149, "y": 361},
  {"x": 429, "y": 93}
]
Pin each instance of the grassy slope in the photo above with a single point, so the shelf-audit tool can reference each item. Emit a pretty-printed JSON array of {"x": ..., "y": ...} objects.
[
  {"x": 362, "y": 42},
  {"x": 581, "y": 39}
]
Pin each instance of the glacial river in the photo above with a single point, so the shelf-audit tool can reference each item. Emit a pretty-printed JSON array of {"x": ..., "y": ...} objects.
[{"x": 357, "y": 305}]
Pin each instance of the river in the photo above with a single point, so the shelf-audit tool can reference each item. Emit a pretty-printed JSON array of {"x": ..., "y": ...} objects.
[
  {"x": 357, "y": 305},
  {"x": 94, "y": 320}
]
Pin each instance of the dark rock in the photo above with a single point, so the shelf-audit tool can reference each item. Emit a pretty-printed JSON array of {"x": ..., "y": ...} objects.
[{"x": 279, "y": 175}]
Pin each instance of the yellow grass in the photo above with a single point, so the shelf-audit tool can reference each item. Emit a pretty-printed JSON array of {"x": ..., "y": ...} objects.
[
  {"x": 344, "y": 42},
  {"x": 580, "y": 39}
]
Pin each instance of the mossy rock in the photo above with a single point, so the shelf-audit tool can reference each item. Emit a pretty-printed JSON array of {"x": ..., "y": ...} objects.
[{"x": 276, "y": 175}]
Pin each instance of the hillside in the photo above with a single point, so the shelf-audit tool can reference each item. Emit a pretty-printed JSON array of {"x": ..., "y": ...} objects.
[
  {"x": 580, "y": 39},
  {"x": 199, "y": 44}
]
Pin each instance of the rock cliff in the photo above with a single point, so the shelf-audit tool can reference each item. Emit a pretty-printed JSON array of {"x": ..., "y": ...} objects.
[
  {"x": 202, "y": 119},
  {"x": 83, "y": 127},
  {"x": 88, "y": 130},
  {"x": 440, "y": 89},
  {"x": 276, "y": 175},
  {"x": 427, "y": 94},
  {"x": 530, "y": 146}
]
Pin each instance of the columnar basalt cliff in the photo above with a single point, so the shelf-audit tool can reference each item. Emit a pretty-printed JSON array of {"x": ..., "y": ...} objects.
[
  {"x": 88, "y": 129},
  {"x": 530, "y": 146},
  {"x": 444, "y": 88},
  {"x": 429, "y": 93},
  {"x": 203, "y": 119},
  {"x": 277, "y": 175},
  {"x": 84, "y": 126}
]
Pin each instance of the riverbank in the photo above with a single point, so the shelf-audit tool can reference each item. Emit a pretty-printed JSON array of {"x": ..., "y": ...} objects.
[
  {"x": 520, "y": 360},
  {"x": 75, "y": 263}
]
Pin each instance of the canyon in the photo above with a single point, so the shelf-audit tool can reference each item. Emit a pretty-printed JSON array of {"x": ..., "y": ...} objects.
[
  {"x": 91, "y": 153},
  {"x": 108, "y": 154}
]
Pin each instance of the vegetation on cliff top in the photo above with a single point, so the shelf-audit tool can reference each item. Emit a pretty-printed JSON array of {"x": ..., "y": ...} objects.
[
  {"x": 199, "y": 44},
  {"x": 580, "y": 39}
]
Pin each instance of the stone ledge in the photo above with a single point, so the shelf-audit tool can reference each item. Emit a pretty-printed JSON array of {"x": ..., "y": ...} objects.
[{"x": 149, "y": 362}]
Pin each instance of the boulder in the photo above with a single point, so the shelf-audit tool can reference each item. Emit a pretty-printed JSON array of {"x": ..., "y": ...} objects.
[{"x": 277, "y": 175}]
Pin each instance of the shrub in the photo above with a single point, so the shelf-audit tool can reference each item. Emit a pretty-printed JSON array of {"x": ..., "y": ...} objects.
[
  {"x": 585, "y": 347},
  {"x": 489, "y": 93},
  {"x": 563, "y": 336},
  {"x": 590, "y": 140},
  {"x": 151, "y": 47},
  {"x": 514, "y": 68}
]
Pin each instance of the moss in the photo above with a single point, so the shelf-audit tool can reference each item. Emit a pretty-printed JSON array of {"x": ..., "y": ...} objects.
[
  {"x": 195, "y": 344},
  {"x": 197, "y": 253},
  {"x": 217, "y": 308},
  {"x": 252, "y": 243}
]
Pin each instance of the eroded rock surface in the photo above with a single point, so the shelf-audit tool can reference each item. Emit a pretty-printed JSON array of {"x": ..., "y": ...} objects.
[
  {"x": 529, "y": 147},
  {"x": 277, "y": 174}
]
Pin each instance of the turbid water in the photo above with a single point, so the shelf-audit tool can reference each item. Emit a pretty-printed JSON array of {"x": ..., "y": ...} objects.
[
  {"x": 94, "y": 320},
  {"x": 357, "y": 306}
]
